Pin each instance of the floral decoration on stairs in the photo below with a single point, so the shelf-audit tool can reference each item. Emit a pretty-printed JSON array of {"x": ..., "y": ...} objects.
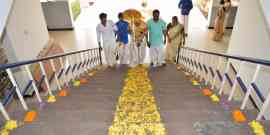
[
  {"x": 238, "y": 115},
  {"x": 136, "y": 112}
]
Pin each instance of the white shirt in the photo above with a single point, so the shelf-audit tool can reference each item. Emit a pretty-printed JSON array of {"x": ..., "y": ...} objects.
[{"x": 106, "y": 32}]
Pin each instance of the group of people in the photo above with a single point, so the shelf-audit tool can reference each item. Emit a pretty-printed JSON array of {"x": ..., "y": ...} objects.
[{"x": 121, "y": 41}]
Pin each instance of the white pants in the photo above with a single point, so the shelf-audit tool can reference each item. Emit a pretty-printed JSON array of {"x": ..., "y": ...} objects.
[
  {"x": 137, "y": 54},
  {"x": 185, "y": 22},
  {"x": 124, "y": 54},
  {"x": 157, "y": 55},
  {"x": 110, "y": 53}
]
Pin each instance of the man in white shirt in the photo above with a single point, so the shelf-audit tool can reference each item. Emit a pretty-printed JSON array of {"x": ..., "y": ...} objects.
[{"x": 106, "y": 30}]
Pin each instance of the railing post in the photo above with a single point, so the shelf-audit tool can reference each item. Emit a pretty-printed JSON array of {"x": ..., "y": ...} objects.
[
  {"x": 188, "y": 62},
  {"x": 67, "y": 66},
  {"x": 94, "y": 57},
  {"x": 211, "y": 62},
  {"x": 200, "y": 71},
  {"x": 207, "y": 79},
  {"x": 258, "y": 68},
  {"x": 204, "y": 74},
  {"x": 55, "y": 75},
  {"x": 264, "y": 107},
  {"x": 46, "y": 78},
  {"x": 184, "y": 59},
  {"x": 72, "y": 63},
  {"x": 4, "y": 112},
  {"x": 197, "y": 61},
  {"x": 97, "y": 57},
  {"x": 18, "y": 91},
  {"x": 76, "y": 71},
  {"x": 181, "y": 58},
  {"x": 64, "y": 80},
  {"x": 79, "y": 69},
  {"x": 85, "y": 59},
  {"x": 193, "y": 60},
  {"x": 100, "y": 55},
  {"x": 82, "y": 69},
  {"x": 224, "y": 77},
  {"x": 215, "y": 74},
  {"x": 33, "y": 83},
  {"x": 90, "y": 59},
  {"x": 178, "y": 54},
  {"x": 235, "y": 81}
]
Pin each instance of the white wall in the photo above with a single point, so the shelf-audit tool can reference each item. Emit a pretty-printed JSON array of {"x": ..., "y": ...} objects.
[
  {"x": 5, "y": 6},
  {"x": 266, "y": 9},
  {"x": 26, "y": 29},
  {"x": 250, "y": 38}
]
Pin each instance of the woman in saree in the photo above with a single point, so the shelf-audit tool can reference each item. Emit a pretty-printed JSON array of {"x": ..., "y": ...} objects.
[
  {"x": 220, "y": 19},
  {"x": 175, "y": 33}
]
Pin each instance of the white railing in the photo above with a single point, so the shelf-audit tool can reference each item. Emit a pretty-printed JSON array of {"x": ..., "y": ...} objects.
[
  {"x": 210, "y": 68},
  {"x": 65, "y": 68}
]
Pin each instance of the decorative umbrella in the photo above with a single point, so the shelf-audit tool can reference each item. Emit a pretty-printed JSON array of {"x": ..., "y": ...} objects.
[
  {"x": 138, "y": 26},
  {"x": 132, "y": 14},
  {"x": 136, "y": 21}
]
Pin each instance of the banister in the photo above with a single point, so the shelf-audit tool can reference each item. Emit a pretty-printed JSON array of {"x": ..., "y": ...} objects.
[
  {"x": 16, "y": 64},
  {"x": 241, "y": 58}
]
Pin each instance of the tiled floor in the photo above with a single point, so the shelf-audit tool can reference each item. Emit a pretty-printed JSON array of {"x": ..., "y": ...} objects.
[{"x": 84, "y": 34}]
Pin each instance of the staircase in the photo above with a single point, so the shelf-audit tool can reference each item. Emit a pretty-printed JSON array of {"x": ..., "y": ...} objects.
[
  {"x": 185, "y": 110},
  {"x": 89, "y": 108}
]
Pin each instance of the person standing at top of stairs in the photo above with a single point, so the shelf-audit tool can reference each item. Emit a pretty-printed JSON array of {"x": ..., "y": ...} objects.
[
  {"x": 185, "y": 6},
  {"x": 157, "y": 39},
  {"x": 107, "y": 29}
]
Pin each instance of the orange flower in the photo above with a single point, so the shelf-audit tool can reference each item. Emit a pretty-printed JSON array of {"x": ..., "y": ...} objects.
[
  {"x": 207, "y": 92},
  {"x": 63, "y": 93},
  {"x": 30, "y": 116},
  {"x": 83, "y": 80},
  {"x": 238, "y": 116}
]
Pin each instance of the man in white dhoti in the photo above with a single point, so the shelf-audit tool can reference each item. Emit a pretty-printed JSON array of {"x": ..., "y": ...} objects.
[
  {"x": 157, "y": 39},
  {"x": 138, "y": 45},
  {"x": 106, "y": 30}
]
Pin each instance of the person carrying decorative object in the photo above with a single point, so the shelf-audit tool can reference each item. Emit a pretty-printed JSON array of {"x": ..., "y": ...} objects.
[
  {"x": 123, "y": 31},
  {"x": 174, "y": 35},
  {"x": 220, "y": 19},
  {"x": 139, "y": 42},
  {"x": 106, "y": 30},
  {"x": 137, "y": 46},
  {"x": 185, "y": 6},
  {"x": 157, "y": 39}
]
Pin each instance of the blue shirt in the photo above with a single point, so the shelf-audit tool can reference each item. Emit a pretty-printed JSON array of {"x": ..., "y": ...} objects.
[
  {"x": 155, "y": 29},
  {"x": 185, "y": 6},
  {"x": 122, "y": 32}
]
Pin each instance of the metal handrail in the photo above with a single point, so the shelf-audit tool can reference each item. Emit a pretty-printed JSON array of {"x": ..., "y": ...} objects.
[
  {"x": 16, "y": 64},
  {"x": 80, "y": 64},
  {"x": 241, "y": 58},
  {"x": 190, "y": 58},
  {"x": 186, "y": 55}
]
